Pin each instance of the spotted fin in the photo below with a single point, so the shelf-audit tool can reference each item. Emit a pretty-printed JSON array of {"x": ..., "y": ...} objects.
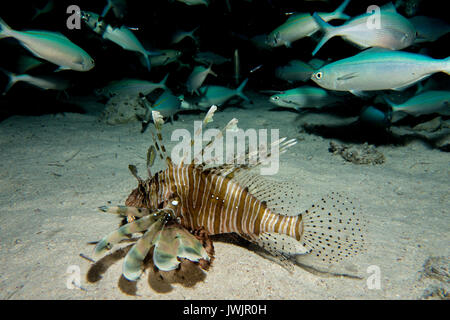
[{"x": 333, "y": 228}]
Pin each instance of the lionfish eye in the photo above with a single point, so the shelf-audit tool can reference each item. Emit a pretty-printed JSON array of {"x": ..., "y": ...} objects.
[{"x": 319, "y": 75}]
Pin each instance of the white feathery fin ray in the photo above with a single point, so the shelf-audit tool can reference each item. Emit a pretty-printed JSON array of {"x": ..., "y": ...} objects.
[
  {"x": 232, "y": 125},
  {"x": 158, "y": 121},
  {"x": 151, "y": 155},
  {"x": 333, "y": 229},
  {"x": 197, "y": 134},
  {"x": 252, "y": 159}
]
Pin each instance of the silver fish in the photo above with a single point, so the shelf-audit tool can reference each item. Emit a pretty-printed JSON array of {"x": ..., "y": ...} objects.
[
  {"x": 395, "y": 31},
  {"x": 433, "y": 101},
  {"x": 166, "y": 56},
  {"x": 132, "y": 87},
  {"x": 128, "y": 41},
  {"x": 167, "y": 105},
  {"x": 94, "y": 21},
  {"x": 43, "y": 82},
  {"x": 429, "y": 29},
  {"x": 301, "y": 25},
  {"x": 375, "y": 117},
  {"x": 195, "y": 2},
  {"x": 181, "y": 34},
  {"x": 303, "y": 97},
  {"x": 296, "y": 70},
  {"x": 378, "y": 69},
  {"x": 197, "y": 77},
  {"x": 218, "y": 95},
  {"x": 208, "y": 58},
  {"x": 121, "y": 36},
  {"x": 51, "y": 46},
  {"x": 46, "y": 9}
]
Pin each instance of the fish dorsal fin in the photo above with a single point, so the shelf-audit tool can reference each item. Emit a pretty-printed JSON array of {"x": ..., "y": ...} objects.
[
  {"x": 151, "y": 155},
  {"x": 158, "y": 121}
]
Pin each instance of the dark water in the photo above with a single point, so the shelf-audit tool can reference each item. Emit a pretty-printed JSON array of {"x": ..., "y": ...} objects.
[{"x": 220, "y": 31}]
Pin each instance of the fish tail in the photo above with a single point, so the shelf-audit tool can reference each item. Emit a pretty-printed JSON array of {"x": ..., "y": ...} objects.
[
  {"x": 5, "y": 30},
  {"x": 147, "y": 61},
  {"x": 163, "y": 81},
  {"x": 13, "y": 78},
  {"x": 191, "y": 33},
  {"x": 333, "y": 229},
  {"x": 239, "y": 90},
  {"x": 447, "y": 65},
  {"x": 339, "y": 12},
  {"x": 329, "y": 31},
  {"x": 389, "y": 102},
  {"x": 106, "y": 9}
]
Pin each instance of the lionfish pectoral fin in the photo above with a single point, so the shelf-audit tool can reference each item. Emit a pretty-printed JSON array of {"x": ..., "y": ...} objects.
[
  {"x": 126, "y": 211},
  {"x": 165, "y": 252},
  {"x": 132, "y": 265},
  {"x": 176, "y": 242},
  {"x": 190, "y": 247},
  {"x": 122, "y": 233}
]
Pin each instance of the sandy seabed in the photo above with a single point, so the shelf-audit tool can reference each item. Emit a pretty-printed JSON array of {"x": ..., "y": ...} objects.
[{"x": 55, "y": 170}]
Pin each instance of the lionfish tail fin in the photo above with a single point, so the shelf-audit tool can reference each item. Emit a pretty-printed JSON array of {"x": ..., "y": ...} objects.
[{"x": 333, "y": 229}]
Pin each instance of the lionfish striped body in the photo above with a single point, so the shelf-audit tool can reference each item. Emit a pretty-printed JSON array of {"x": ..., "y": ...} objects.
[
  {"x": 219, "y": 204},
  {"x": 225, "y": 199}
]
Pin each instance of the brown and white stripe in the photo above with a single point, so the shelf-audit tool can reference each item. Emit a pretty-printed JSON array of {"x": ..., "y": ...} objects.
[{"x": 221, "y": 205}]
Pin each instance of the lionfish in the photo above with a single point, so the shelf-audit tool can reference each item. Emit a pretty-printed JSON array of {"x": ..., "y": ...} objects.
[{"x": 177, "y": 209}]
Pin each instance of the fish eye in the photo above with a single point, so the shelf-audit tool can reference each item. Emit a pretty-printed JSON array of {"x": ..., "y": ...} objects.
[
  {"x": 319, "y": 75},
  {"x": 276, "y": 98}
]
